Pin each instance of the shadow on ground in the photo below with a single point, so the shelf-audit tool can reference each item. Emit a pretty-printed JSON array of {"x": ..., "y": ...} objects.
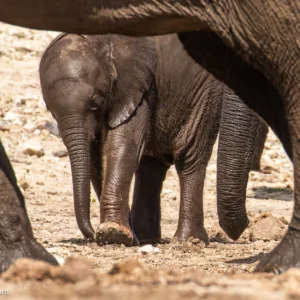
[{"x": 275, "y": 193}]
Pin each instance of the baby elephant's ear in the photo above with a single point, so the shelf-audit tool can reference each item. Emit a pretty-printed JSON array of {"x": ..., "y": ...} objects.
[{"x": 135, "y": 61}]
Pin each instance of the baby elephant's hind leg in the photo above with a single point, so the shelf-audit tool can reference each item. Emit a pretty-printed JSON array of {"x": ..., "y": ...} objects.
[
  {"x": 191, "y": 217},
  {"x": 145, "y": 211}
]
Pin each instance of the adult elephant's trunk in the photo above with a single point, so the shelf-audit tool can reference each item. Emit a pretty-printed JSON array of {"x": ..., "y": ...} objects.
[
  {"x": 75, "y": 137},
  {"x": 238, "y": 129}
]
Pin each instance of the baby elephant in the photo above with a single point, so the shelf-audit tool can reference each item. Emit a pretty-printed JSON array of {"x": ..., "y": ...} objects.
[{"x": 128, "y": 106}]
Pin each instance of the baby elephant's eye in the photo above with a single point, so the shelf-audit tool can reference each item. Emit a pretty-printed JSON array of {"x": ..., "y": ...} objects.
[{"x": 96, "y": 102}]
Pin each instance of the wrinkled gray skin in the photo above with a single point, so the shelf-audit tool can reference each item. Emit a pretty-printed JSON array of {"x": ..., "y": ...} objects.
[
  {"x": 16, "y": 237},
  {"x": 263, "y": 33},
  {"x": 118, "y": 99}
]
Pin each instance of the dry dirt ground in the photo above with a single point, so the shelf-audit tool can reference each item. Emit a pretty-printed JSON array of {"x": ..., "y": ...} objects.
[{"x": 185, "y": 271}]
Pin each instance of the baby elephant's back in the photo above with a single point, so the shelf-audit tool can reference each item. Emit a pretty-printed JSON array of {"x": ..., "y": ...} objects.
[
  {"x": 189, "y": 98},
  {"x": 178, "y": 76}
]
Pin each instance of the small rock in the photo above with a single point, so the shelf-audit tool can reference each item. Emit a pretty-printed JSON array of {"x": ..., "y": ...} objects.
[
  {"x": 267, "y": 229},
  {"x": 33, "y": 147},
  {"x": 30, "y": 127},
  {"x": 10, "y": 116},
  {"x": 60, "y": 260},
  {"x": 45, "y": 132},
  {"x": 128, "y": 267},
  {"x": 148, "y": 249},
  {"x": 37, "y": 132},
  {"x": 273, "y": 154},
  {"x": 195, "y": 241},
  {"x": 23, "y": 183},
  {"x": 211, "y": 168},
  {"x": 5, "y": 125},
  {"x": 60, "y": 153},
  {"x": 50, "y": 126},
  {"x": 52, "y": 250},
  {"x": 20, "y": 101}
]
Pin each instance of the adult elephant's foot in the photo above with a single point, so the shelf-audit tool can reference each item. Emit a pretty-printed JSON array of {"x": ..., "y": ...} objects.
[
  {"x": 284, "y": 256},
  {"x": 186, "y": 233},
  {"x": 114, "y": 233},
  {"x": 15, "y": 242},
  {"x": 16, "y": 237}
]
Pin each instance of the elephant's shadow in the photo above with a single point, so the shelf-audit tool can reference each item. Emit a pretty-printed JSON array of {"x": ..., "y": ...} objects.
[
  {"x": 275, "y": 193},
  {"x": 247, "y": 260},
  {"x": 76, "y": 241}
]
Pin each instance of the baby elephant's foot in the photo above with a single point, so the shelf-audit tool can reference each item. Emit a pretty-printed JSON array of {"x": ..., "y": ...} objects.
[
  {"x": 284, "y": 256},
  {"x": 114, "y": 233},
  {"x": 184, "y": 234}
]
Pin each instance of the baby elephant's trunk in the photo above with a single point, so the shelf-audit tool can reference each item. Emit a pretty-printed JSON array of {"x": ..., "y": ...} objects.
[{"x": 75, "y": 138}]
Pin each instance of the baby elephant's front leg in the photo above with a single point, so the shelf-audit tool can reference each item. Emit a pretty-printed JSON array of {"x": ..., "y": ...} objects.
[
  {"x": 191, "y": 217},
  {"x": 121, "y": 153}
]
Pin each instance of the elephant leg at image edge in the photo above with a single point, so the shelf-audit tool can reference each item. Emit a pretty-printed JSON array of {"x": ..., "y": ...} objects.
[
  {"x": 16, "y": 239},
  {"x": 145, "y": 211},
  {"x": 287, "y": 253}
]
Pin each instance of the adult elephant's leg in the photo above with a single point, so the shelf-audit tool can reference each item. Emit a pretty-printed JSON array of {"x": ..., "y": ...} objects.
[
  {"x": 16, "y": 238},
  {"x": 6, "y": 167},
  {"x": 238, "y": 130},
  {"x": 145, "y": 211},
  {"x": 10, "y": 174},
  {"x": 121, "y": 153},
  {"x": 260, "y": 140},
  {"x": 287, "y": 253},
  {"x": 249, "y": 84}
]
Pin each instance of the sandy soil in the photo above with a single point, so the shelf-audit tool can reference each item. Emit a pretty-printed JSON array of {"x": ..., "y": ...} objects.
[{"x": 184, "y": 271}]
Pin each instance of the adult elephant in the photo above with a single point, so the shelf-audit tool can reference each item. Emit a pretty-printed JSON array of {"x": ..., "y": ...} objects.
[
  {"x": 263, "y": 33},
  {"x": 16, "y": 236}
]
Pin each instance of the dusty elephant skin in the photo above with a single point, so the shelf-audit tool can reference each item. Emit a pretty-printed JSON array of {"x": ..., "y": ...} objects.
[
  {"x": 164, "y": 111},
  {"x": 244, "y": 26},
  {"x": 16, "y": 237}
]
